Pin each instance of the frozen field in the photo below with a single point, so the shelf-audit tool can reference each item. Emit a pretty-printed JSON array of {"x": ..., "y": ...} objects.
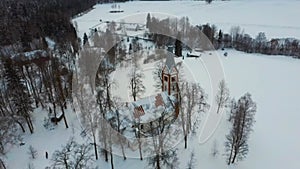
[{"x": 278, "y": 19}]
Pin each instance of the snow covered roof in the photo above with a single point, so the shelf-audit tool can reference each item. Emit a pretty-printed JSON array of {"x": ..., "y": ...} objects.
[
  {"x": 150, "y": 108},
  {"x": 154, "y": 106},
  {"x": 195, "y": 53},
  {"x": 144, "y": 111},
  {"x": 170, "y": 63},
  {"x": 28, "y": 56}
]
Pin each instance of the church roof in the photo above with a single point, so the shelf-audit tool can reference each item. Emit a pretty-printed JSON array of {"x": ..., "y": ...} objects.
[{"x": 170, "y": 63}]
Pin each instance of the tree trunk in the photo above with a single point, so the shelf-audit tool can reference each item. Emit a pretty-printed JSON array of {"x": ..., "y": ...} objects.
[
  {"x": 234, "y": 157},
  {"x": 30, "y": 122},
  {"x": 23, "y": 129},
  {"x": 111, "y": 159},
  {"x": 123, "y": 152},
  {"x": 2, "y": 164},
  {"x": 134, "y": 98},
  {"x": 218, "y": 108},
  {"x": 66, "y": 163},
  {"x": 29, "y": 125},
  {"x": 185, "y": 141},
  {"x": 231, "y": 151},
  {"x": 2, "y": 111},
  {"x": 65, "y": 120},
  {"x": 35, "y": 95},
  {"x": 95, "y": 147},
  {"x": 54, "y": 110},
  {"x": 157, "y": 162},
  {"x": 106, "y": 155},
  {"x": 140, "y": 150},
  {"x": 108, "y": 94}
]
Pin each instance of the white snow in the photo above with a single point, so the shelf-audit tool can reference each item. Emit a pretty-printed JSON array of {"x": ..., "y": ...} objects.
[
  {"x": 278, "y": 19},
  {"x": 273, "y": 82}
]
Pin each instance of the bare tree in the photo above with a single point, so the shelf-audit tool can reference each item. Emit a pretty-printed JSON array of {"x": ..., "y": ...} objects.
[
  {"x": 90, "y": 118},
  {"x": 59, "y": 96},
  {"x": 222, "y": 96},
  {"x": 110, "y": 144},
  {"x": 97, "y": 40},
  {"x": 157, "y": 74},
  {"x": 192, "y": 97},
  {"x": 9, "y": 133},
  {"x": 30, "y": 165},
  {"x": 160, "y": 133},
  {"x": 242, "y": 119},
  {"x": 105, "y": 104},
  {"x": 235, "y": 31},
  {"x": 73, "y": 156},
  {"x": 2, "y": 165},
  {"x": 136, "y": 83},
  {"x": 192, "y": 162},
  {"x": 138, "y": 135},
  {"x": 261, "y": 41},
  {"x": 88, "y": 64},
  {"x": 116, "y": 123},
  {"x": 167, "y": 159},
  {"x": 32, "y": 152},
  {"x": 104, "y": 137}
]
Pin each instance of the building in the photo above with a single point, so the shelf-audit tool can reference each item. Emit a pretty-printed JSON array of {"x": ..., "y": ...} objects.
[
  {"x": 197, "y": 52},
  {"x": 148, "y": 113},
  {"x": 163, "y": 106},
  {"x": 170, "y": 77}
]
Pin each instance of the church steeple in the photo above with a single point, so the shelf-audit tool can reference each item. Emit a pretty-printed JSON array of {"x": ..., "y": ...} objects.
[{"x": 170, "y": 77}]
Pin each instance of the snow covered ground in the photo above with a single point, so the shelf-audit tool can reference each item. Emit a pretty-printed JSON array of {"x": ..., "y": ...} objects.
[
  {"x": 273, "y": 82},
  {"x": 278, "y": 19}
]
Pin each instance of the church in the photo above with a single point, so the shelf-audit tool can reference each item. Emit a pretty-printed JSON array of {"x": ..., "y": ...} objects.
[{"x": 148, "y": 112}]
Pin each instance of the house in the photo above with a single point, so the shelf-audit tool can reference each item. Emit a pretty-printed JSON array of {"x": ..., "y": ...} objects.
[
  {"x": 195, "y": 53},
  {"x": 134, "y": 27}
]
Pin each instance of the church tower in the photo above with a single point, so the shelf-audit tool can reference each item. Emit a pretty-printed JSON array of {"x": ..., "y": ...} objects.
[{"x": 170, "y": 77}]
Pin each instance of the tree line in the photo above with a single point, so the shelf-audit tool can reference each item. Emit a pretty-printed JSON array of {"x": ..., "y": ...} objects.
[{"x": 192, "y": 36}]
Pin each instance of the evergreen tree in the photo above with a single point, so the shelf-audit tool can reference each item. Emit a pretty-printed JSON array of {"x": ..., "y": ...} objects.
[
  {"x": 148, "y": 20},
  {"x": 19, "y": 98},
  {"x": 178, "y": 46},
  {"x": 220, "y": 37},
  {"x": 85, "y": 39},
  {"x": 208, "y": 1},
  {"x": 208, "y": 32}
]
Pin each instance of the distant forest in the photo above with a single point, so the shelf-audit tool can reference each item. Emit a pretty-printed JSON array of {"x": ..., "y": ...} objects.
[
  {"x": 25, "y": 20},
  {"x": 236, "y": 38}
]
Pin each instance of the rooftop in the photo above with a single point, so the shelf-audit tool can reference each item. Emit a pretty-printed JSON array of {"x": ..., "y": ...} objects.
[{"x": 170, "y": 63}]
